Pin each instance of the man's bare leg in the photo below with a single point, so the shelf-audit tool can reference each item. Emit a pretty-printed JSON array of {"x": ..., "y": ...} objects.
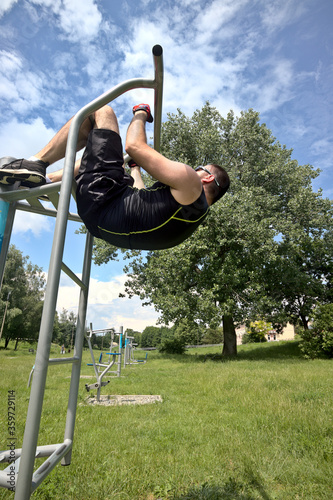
[
  {"x": 136, "y": 174},
  {"x": 57, "y": 175},
  {"x": 32, "y": 172},
  {"x": 55, "y": 150},
  {"x": 103, "y": 118}
]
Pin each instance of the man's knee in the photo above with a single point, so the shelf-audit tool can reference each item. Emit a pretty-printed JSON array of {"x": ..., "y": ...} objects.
[{"x": 105, "y": 117}]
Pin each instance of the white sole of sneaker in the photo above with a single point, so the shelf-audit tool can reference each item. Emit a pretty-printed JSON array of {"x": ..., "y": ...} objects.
[{"x": 10, "y": 176}]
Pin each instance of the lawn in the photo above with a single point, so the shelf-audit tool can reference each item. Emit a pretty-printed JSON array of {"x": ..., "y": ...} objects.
[{"x": 259, "y": 427}]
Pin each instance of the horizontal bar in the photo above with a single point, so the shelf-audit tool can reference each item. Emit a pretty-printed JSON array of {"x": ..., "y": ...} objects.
[
  {"x": 25, "y": 194},
  {"x": 59, "y": 361},
  {"x": 115, "y": 92},
  {"x": 100, "y": 364},
  {"x": 104, "y": 330},
  {"x": 73, "y": 276},
  {"x": 46, "y": 211},
  {"x": 41, "y": 451},
  {"x": 38, "y": 208}
]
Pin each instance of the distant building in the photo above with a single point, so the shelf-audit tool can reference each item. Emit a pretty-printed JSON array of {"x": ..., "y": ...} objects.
[{"x": 288, "y": 333}]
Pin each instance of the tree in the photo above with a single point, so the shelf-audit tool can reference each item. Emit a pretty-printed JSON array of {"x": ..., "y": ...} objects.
[
  {"x": 218, "y": 274},
  {"x": 228, "y": 271},
  {"x": 21, "y": 297},
  {"x": 301, "y": 275},
  {"x": 153, "y": 335},
  {"x": 133, "y": 333},
  {"x": 64, "y": 328}
]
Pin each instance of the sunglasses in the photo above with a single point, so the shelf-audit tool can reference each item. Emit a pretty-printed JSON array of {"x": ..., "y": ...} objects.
[{"x": 208, "y": 172}]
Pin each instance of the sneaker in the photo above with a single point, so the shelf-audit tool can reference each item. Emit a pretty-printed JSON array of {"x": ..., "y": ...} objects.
[
  {"x": 146, "y": 108},
  {"x": 30, "y": 173}
]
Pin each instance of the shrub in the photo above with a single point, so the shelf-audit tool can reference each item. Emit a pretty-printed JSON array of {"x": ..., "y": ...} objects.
[
  {"x": 310, "y": 344},
  {"x": 213, "y": 336},
  {"x": 172, "y": 345},
  {"x": 318, "y": 341}
]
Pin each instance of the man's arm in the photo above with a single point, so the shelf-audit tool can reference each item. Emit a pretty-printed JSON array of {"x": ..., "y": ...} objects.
[{"x": 185, "y": 184}]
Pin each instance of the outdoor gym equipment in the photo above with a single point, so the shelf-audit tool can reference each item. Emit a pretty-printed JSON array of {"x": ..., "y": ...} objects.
[
  {"x": 101, "y": 369},
  {"x": 129, "y": 358},
  {"x": 23, "y": 479}
]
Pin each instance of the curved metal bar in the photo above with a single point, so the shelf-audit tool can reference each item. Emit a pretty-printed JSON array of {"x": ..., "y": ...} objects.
[{"x": 25, "y": 485}]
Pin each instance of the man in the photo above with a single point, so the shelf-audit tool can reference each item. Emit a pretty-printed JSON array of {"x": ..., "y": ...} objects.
[{"x": 116, "y": 206}]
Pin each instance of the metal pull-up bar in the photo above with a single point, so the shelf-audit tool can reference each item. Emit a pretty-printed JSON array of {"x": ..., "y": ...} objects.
[{"x": 27, "y": 480}]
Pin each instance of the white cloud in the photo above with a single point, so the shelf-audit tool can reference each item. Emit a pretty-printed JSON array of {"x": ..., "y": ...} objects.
[
  {"x": 192, "y": 75},
  {"x": 6, "y": 5},
  {"x": 322, "y": 149},
  {"x": 272, "y": 87},
  {"x": 105, "y": 308},
  {"x": 280, "y": 13},
  {"x": 10, "y": 62},
  {"x": 20, "y": 89},
  {"x": 26, "y": 222},
  {"x": 215, "y": 16},
  {"x": 21, "y": 140},
  {"x": 79, "y": 20},
  {"x": 48, "y": 3}
]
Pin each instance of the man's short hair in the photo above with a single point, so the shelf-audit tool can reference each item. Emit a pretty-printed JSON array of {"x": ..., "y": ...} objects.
[{"x": 222, "y": 178}]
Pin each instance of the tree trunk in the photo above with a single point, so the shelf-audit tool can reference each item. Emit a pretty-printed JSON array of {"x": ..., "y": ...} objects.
[
  {"x": 7, "y": 339},
  {"x": 229, "y": 335},
  {"x": 17, "y": 341},
  {"x": 304, "y": 322}
]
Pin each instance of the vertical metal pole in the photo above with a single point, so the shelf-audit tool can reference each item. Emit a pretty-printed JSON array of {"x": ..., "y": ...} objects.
[
  {"x": 158, "y": 94},
  {"x": 4, "y": 207},
  {"x": 24, "y": 483},
  {"x": 78, "y": 347},
  {"x": 30, "y": 439},
  {"x": 112, "y": 334},
  {"x": 125, "y": 351},
  {"x": 121, "y": 331},
  {"x": 7, "y": 214}
]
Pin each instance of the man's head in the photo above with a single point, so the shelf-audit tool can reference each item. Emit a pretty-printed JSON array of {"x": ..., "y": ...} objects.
[{"x": 215, "y": 181}]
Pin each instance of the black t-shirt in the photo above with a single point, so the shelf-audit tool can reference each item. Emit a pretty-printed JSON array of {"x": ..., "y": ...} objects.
[
  {"x": 149, "y": 219},
  {"x": 112, "y": 209}
]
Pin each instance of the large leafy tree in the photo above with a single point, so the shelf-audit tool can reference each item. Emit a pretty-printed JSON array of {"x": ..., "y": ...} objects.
[
  {"x": 21, "y": 299},
  {"x": 230, "y": 269}
]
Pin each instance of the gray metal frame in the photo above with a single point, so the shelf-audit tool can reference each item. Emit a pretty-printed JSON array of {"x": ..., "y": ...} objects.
[
  {"x": 28, "y": 480},
  {"x": 129, "y": 349},
  {"x": 101, "y": 369}
]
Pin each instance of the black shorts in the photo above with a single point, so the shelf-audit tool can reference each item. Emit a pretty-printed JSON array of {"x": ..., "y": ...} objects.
[{"x": 101, "y": 178}]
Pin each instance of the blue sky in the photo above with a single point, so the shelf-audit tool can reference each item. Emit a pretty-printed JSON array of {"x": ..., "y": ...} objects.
[{"x": 274, "y": 56}]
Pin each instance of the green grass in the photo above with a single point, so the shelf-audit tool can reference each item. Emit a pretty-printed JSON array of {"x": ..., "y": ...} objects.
[{"x": 258, "y": 427}]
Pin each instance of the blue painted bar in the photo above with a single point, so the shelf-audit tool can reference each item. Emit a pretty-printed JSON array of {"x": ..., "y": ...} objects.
[{"x": 4, "y": 207}]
